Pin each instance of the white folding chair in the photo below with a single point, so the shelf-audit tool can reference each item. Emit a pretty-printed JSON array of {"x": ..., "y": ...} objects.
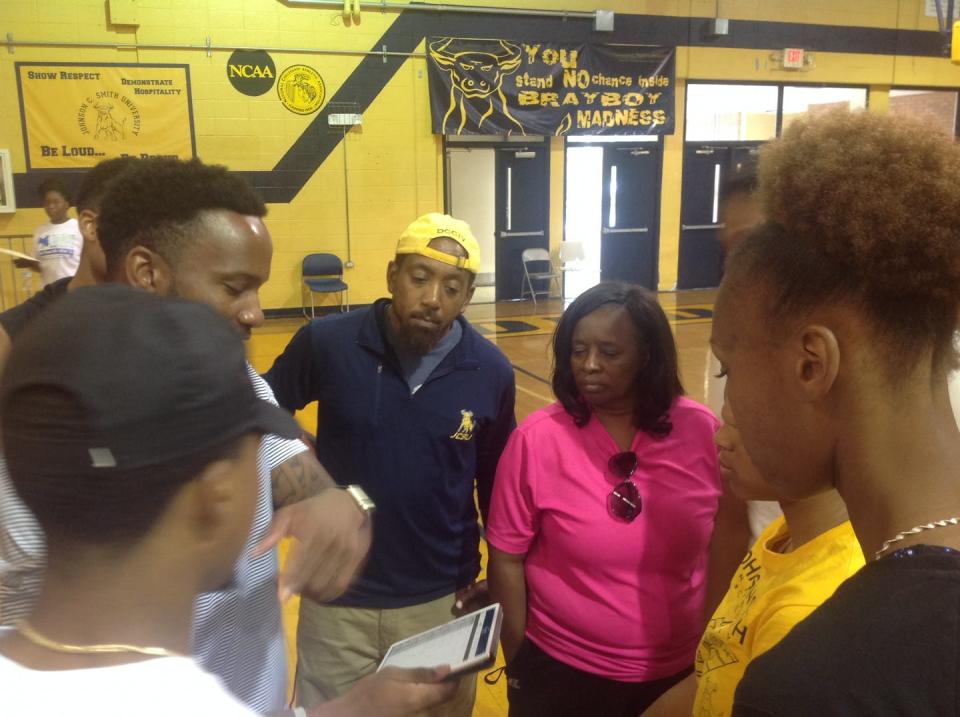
[{"x": 541, "y": 260}]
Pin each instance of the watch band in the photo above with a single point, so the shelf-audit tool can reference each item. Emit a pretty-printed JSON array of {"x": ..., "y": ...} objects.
[{"x": 362, "y": 499}]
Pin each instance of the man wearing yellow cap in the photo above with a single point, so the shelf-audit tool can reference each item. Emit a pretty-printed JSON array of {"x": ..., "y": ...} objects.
[{"x": 415, "y": 407}]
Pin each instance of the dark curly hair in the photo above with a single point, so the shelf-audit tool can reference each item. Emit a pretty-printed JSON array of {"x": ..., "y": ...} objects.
[
  {"x": 864, "y": 210},
  {"x": 658, "y": 382},
  {"x": 94, "y": 184},
  {"x": 159, "y": 201}
]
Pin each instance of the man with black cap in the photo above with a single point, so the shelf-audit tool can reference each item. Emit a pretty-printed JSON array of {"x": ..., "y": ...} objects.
[
  {"x": 196, "y": 231},
  {"x": 141, "y": 510},
  {"x": 416, "y": 407},
  {"x": 134, "y": 443}
]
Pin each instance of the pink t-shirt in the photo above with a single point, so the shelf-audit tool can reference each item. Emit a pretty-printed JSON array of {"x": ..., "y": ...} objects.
[{"x": 621, "y": 600}]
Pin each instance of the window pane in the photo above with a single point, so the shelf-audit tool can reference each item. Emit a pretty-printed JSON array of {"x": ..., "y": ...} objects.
[
  {"x": 797, "y": 101},
  {"x": 935, "y": 108},
  {"x": 731, "y": 112}
]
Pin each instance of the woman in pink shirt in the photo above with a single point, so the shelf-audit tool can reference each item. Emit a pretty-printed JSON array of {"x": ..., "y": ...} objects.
[{"x": 603, "y": 512}]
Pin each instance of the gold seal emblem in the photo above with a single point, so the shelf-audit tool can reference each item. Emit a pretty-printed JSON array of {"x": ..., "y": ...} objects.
[{"x": 301, "y": 89}]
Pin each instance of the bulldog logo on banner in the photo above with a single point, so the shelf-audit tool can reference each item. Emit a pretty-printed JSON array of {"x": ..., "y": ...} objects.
[
  {"x": 477, "y": 77},
  {"x": 502, "y": 87}
]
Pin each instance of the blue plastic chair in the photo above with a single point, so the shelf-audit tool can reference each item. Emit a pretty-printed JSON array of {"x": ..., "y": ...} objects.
[{"x": 323, "y": 274}]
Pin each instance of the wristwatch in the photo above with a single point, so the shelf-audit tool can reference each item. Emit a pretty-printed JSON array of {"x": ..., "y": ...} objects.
[{"x": 362, "y": 499}]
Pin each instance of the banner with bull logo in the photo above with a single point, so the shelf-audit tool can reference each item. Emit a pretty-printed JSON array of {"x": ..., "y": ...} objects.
[
  {"x": 546, "y": 88},
  {"x": 75, "y": 115}
]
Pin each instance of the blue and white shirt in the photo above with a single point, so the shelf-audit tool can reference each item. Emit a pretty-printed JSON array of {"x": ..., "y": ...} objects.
[{"x": 57, "y": 247}]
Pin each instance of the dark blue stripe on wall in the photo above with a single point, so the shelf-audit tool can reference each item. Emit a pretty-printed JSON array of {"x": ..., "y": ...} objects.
[
  {"x": 318, "y": 140},
  {"x": 282, "y": 183}
]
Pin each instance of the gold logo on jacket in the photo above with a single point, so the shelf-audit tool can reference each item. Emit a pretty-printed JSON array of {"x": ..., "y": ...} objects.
[{"x": 465, "y": 432}]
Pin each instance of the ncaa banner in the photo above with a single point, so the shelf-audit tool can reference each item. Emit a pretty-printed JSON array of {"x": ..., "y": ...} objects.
[
  {"x": 75, "y": 115},
  {"x": 547, "y": 88}
]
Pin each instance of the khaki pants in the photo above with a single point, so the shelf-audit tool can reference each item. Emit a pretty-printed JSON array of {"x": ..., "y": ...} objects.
[{"x": 336, "y": 646}]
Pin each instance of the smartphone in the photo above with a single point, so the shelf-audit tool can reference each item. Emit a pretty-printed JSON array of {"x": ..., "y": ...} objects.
[{"x": 467, "y": 644}]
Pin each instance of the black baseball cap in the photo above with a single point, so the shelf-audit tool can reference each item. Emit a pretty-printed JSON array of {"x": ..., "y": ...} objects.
[{"x": 155, "y": 380}]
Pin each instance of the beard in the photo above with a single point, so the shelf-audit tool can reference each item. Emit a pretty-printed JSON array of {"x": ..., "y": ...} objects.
[
  {"x": 420, "y": 340},
  {"x": 413, "y": 337}
]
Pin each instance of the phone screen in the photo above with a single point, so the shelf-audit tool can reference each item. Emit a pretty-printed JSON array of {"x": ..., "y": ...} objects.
[{"x": 465, "y": 644}]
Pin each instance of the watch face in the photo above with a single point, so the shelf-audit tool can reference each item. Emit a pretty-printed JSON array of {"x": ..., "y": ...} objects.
[{"x": 363, "y": 500}]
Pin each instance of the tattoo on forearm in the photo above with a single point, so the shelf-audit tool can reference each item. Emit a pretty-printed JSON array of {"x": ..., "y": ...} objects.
[{"x": 298, "y": 478}]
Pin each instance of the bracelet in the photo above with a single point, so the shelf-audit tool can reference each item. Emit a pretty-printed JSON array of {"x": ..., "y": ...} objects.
[{"x": 299, "y": 712}]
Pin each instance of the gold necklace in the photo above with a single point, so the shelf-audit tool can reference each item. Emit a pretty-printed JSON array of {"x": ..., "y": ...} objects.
[
  {"x": 36, "y": 638},
  {"x": 947, "y": 522}
]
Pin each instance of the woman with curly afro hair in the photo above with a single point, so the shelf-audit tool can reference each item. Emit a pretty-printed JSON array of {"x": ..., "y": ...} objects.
[{"x": 834, "y": 326}]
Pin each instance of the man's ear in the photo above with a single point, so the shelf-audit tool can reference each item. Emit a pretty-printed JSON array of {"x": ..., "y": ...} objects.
[
  {"x": 466, "y": 303},
  {"x": 87, "y": 219},
  {"x": 144, "y": 269},
  {"x": 392, "y": 269},
  {"x": 817, "y": 364},
  {"x": 212, "y": 497}
]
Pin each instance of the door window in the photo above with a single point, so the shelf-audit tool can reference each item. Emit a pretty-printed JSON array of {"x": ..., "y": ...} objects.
[
  {"x": 799, "y": 100},
  {"x": 731, "y": 113},
  {"x": 935, "y": 108}
]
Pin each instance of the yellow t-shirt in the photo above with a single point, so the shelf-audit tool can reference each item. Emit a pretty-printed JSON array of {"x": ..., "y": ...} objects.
[{"x": 769, "y": 594}]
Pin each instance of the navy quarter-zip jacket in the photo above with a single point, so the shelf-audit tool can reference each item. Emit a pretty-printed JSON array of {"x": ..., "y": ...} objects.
[{"x": 417, "y": 456}]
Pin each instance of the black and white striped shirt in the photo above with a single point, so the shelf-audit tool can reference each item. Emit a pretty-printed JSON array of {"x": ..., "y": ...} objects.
[
  {"x": 23, "y": 553},
  {"x": 238, "y": 634}
]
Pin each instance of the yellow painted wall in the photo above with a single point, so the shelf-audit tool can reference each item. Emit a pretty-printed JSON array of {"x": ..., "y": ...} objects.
[
  {"x": 395, "y": 164},
  {"x": 670, "y": 186},
  {"x": 558, "y": 170}
]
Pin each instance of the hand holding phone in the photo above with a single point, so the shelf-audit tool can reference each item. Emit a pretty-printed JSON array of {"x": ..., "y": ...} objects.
[{"x": 467, "y": 644}]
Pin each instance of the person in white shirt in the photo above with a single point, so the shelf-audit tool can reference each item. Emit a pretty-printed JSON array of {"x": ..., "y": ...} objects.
[
  {"x": 143, "y": 475},
  {"x": 57, "y": 244}
]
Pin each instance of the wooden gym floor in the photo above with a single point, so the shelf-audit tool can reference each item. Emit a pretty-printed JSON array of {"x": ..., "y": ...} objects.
[{"x": 523, "y": 332}]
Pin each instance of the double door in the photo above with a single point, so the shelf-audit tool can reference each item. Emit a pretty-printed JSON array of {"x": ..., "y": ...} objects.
[
  {"x": 621, "y": 234},
  {"x": 705, "y": 168},
  {"x": 612, "y": 210}
]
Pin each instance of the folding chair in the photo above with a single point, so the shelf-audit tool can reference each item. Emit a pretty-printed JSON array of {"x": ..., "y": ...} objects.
[
  {"x": 538, "y": 257},
  {"x": 323, "y": 274}
]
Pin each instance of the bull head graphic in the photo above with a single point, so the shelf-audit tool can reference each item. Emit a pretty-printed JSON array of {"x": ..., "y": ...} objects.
[{"x": 478, "y": 76}]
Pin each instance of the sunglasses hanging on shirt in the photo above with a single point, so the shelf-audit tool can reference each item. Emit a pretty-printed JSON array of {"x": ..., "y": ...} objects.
[{"x": 624, "y": 502}]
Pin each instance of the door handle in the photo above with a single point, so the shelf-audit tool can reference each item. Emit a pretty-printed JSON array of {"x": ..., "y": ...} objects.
[
  {"x": 685, "y": 227},
  {"x": 508, "y": 235},
  {"x": 624, "y": 230}
]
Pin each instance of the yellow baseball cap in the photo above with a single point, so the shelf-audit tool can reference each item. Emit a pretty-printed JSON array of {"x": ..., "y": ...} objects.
[{"x": 416, "y": 238}]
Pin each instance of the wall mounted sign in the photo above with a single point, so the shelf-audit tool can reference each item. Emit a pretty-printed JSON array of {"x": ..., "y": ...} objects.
[
  {"x": 547, "y": 88},
  {"x": 76, "y": 114},
  {"x": 251, "y": 72},
  {"x": 301, "y": 89}
]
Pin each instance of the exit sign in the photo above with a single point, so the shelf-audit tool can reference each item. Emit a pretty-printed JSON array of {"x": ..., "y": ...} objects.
[{"x": 793, "y": 58}]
